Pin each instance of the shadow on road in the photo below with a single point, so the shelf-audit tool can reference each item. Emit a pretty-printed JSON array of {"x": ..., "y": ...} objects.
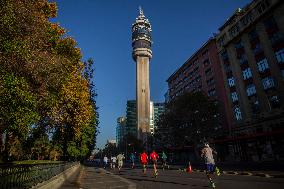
[{"x": 156, "y": 181}]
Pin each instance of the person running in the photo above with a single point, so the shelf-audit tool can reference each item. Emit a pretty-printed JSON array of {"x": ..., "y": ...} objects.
[
  {"x": 132, "y": 159},
  {"x": 154, "y": 157},
  {"x": 164, "y": 159},
  {"x": 207, "y": 154},
  {"x": 105, "y": 161},
  {"x": 144, "y": 160},
  {"x": 113, "y": 162},
  {"x": 120, "y": 157}
]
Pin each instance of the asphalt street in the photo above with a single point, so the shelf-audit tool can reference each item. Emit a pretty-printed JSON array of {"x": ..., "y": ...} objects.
[{"x": 170, "y": 179}]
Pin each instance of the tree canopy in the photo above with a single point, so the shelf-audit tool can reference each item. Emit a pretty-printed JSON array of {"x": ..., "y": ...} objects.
[
  {"x": 190, "y": 119},
  {"x": 47, "y": 93}
]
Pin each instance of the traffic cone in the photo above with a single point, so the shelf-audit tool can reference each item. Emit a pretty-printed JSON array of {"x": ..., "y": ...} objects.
[{"x": 189, "y": 169}]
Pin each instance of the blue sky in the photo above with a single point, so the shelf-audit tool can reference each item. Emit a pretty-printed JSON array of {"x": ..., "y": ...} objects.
[{"x": 102, "y": 29}]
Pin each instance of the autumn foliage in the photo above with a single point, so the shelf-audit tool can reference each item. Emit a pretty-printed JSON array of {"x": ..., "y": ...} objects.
[{"x": 47, "y": 98}]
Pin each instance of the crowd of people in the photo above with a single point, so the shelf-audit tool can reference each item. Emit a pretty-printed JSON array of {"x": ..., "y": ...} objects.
[{"x": 206, "y": 153}]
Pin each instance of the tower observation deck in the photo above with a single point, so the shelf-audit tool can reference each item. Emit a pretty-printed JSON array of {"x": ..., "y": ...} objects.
[{"x": 141, "y": 53}]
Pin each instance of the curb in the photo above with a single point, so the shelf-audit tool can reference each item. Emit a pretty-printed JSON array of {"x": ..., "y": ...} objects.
[{"x": 262, "y": 175}]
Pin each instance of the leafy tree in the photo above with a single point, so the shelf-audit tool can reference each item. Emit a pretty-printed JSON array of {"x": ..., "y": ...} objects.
[
  {"x": 49, "y": 88},
  {"x": 189, "y": 120}
]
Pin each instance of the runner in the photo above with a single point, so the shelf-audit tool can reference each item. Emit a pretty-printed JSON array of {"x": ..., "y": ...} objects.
[
  {"x": 207, "y": 154},
  {"x": 164, "y": 159},
  {"x": 113, "y": 162},
  {"x": 154, "y": 157},
  {"x": 105, "y": 161},
  {"x": 120, "y": 157},
  {"x": 144, "y": 160},
  {"x": 132, "y": 159}
]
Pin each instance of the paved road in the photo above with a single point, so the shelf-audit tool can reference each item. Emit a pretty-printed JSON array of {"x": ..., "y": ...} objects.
[
  {"x": 96, "y": 178},
  {"x": 171, "y": 179}
]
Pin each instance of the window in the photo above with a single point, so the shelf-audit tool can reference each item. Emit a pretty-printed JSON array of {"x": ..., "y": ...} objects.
[
  {"x": 268, "y": 82},
  {"x": 247, "y": 18},
  {"x": 206, "y": 62},
  {"x": 243, "y": 59},
  {"x": 234, "y": 96},
  {"x": 231, "y": 82},
  {"x": 208, "y": 72},
  {"x": 205, "y": 53},
  {"x": 251, "y": 90},
  {"x": 263, "y": 6},
  {"x": 275, "y": 38},
  {"x": 253, "y": 34},
  {"x": 247, "y": 74},
  {"x": 280, "y": 56},
  {"x": 227, "y": 68},
  {"x": 257, "y": 49},
  {"x": 221, "y": 40},
  {"x": 234, "y": 30},
  {"x": 270, "y": 23},
  {"x": 255, "y": 107},
  {"x": 211, "y": 92},
  {"x": 210, "y": 81},
  {"x": 238, "y": 113},
  {"x": 282, "y": 73},
  {"x": 262, "y": 65},
  {"x": 274, "y": 102},
  {"x": 239, "y": 45},
  {"x": 224, "y": 55}
]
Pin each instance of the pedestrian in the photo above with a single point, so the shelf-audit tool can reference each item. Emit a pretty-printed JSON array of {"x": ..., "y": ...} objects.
[
  {"x": 207, "y": 155},
  {"x": 154, "y": 157},
  {"x": 132, "y": 159},
  {"x": 164, "y": 159},
  {"x": 105, "y": 161},
  {"x": 120, "y": 157},
  {"x": 144, "y": 160},
  {"x": 113, "y": 162}
]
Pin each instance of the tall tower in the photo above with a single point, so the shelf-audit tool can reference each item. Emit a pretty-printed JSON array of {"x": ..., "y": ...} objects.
[{"x": 141, "y": 43}]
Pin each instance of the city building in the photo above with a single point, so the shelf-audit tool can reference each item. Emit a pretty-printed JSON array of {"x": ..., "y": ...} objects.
[
  {"x": 156, "y": 109},
  {"x": 141, "y": 43},
  {"x": 251, "y": 48},
  {"x": 120, "y": 130},
  {"x": 131, "y": 118},
  {"x": 202, "y": 72}
]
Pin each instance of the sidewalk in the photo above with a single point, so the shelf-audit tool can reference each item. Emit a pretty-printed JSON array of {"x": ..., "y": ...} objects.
[{"x": 98, "y": 178}]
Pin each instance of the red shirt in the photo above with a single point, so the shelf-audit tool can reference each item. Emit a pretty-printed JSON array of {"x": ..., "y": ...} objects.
[
  {"x": 144, "y": 157},
  {"x": 154, "y": 156}
]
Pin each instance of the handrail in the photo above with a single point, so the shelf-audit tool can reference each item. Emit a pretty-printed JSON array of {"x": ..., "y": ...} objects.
[{"x": 28, "y": 175}]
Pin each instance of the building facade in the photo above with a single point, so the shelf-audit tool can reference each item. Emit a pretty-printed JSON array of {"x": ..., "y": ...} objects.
[
  {"x": 202, "y": 72},
  {"x": 131, "y": 118},
  {"x": 120, "y": 130},
  {"x": 141, "y": 43},
  {"x": 251, "y": 49}
]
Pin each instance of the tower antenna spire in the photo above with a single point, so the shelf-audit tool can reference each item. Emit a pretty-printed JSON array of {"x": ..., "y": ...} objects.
[{"x": 141, "y": 11}]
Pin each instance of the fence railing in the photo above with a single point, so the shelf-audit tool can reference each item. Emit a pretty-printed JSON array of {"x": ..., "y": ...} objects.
[{"x": 26, "y": 176}]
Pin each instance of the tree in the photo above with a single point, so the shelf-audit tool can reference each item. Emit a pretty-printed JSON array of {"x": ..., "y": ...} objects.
[
  {"x": 44, "y": 84},
  {"x": 189, "y": 120}
]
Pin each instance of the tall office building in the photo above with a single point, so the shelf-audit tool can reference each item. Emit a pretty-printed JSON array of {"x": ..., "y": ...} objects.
[
  {"x": 120, "y": 130},
  {"x": 141, "y": 43},
  {"x": 202, "y": 72},
  {"x": 156, "y": 109},
  {"x": 251, "y": 49}
]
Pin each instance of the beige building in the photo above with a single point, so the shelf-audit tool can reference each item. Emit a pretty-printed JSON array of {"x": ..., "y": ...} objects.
[
  {"x": 251, "y": 49},
  {"x": 141, "y": 43}
]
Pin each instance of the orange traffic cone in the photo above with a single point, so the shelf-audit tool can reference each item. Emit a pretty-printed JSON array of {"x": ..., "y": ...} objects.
[{"x": 189, "y": 169}]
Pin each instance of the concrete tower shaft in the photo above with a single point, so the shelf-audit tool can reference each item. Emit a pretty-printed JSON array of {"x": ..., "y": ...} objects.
[{"x": 141, "y": 43}]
